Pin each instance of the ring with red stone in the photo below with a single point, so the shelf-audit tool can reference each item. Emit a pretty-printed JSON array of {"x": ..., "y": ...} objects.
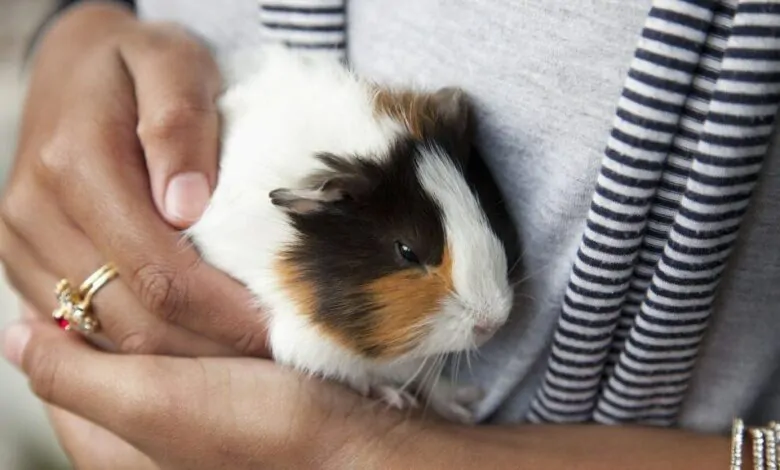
[{"x": 75, "y": 309}]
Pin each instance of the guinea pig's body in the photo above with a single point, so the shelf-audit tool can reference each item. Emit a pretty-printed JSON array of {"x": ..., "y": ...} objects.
[{"x": 343, "y": 207}]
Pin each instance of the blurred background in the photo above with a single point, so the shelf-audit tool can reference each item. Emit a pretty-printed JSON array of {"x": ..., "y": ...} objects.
[{"x": 26, "y": 441}]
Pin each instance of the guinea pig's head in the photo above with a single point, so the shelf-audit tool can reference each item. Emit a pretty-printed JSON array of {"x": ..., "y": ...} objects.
[{"x": 393, "y": 256}]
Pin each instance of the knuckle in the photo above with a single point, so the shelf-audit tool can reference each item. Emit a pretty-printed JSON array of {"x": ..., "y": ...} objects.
[
  {"x": 161, "y": 290},
  {"x": 139, "y": 342},
  {"x": 168, "y": 121},
  {"x": 8, "y": 216},
  {"x": 15, "y": 207},
  {"x": 252, "y": 343},
  {"x": 9, "y": 258},
  {"x": 55, "y": 160}
]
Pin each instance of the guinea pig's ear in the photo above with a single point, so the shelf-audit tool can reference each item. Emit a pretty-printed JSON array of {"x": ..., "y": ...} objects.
[
  {"x": 452, "y": 108},
  {"x": 454, "y": 120},
  {"x": 342, "y": 179},
  {"x": 304, "y": 201}
]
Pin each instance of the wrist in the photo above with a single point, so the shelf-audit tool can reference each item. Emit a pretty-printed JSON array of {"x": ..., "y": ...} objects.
[{"x": 397, "y": 441}]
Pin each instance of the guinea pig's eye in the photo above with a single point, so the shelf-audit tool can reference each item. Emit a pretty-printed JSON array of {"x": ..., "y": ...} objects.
[{"x": 406, "y": 253}]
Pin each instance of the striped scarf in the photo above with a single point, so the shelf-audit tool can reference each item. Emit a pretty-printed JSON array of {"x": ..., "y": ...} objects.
[
  {"x": 690, "y": 134},
  {"x": 312, "y": 26}
]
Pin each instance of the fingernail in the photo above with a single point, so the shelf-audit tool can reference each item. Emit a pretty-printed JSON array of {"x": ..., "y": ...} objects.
[
  {"x": 14, "y": 340},
  {"x": 187, "y": 196}
]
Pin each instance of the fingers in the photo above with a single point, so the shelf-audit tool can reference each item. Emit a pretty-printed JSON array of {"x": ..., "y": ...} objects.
[
  {"x": 177, "y": 84},
  {"x": 161, "y": 268},
  {"x": 125, "y": 323},
  {"x": 127, "y": 395},
  {"x": 26, "y": 274},
  {"x": 90, "y": 447},
  {"x": 186, "y": 413},
  {"x": 90, "y": 164},
  {"x": 95, "y": 171},
  {"x": 151, "y": 402}
]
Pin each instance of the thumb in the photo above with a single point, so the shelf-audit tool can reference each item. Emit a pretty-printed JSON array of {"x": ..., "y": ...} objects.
[{"x": 177, "y": 83}]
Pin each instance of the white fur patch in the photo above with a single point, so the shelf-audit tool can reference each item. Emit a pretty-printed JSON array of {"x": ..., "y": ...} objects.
[{"x": 479, "y": 267}]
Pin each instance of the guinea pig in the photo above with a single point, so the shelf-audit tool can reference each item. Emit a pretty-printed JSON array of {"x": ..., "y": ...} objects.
[{"x": 342, "y": 205}]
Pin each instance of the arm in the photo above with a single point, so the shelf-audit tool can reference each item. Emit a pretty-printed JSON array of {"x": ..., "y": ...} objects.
[
  {"x": 241, "y": 413},
  {"x": 551, "y": 447}
]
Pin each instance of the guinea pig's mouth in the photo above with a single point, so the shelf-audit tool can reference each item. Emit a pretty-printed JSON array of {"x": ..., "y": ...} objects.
[{"x": 482, "y": 337}]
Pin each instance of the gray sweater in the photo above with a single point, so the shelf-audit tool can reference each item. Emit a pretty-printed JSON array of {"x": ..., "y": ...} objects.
[{"x": 546, "y": 77}]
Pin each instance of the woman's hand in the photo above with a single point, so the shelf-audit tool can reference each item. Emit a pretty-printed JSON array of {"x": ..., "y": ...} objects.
[
  {"x": 243, "y": 413},
  {"x": 118, "y": 150},
  {"x": 186, "y": 413}
]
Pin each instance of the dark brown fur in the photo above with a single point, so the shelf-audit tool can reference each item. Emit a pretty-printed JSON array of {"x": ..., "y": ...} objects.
[
  {"x": 443, "y": 116},
  {"x": 347, "y": 245}
]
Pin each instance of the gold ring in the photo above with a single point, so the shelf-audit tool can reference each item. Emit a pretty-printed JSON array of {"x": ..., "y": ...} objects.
[{"x": 75, "y": 309}]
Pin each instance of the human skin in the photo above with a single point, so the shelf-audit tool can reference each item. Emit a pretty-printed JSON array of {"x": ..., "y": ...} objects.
[
  {"x": 119, "y": 126},
  {"x": 242, "y": 413}
]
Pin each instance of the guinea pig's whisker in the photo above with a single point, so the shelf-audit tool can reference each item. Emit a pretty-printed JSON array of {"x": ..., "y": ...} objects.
[
  {"x": 184, "y": 242},
  {"x": 530, "y": 275},
  {"x": 434, "y": 376},
  {"x": 527, "y": 296},
  {"x": 456, "y": 372},
  {"x": 416, "y": 374},
  {"x": 468, "y": 360},
  {"x": 431, "y": 372},
  {"x": 475, "y": 350},
  {"x": 520, "y": 258},
  {"x": 511, "y": 270}
]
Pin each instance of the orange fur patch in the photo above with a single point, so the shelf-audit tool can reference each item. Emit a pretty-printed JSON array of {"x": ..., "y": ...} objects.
[
  {"x": 415, "y": 110},
  {"x": 303, "y": 295},
  {"x": 400, "y": 305},
  {"x": 299, "y": 290},
  {"x": 406, "y": 300}
]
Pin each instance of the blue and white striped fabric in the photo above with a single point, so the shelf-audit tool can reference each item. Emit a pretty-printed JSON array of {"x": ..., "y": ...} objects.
[
  {"x": 691, "y": 130},
  {"x": 317, "y": 26},
  {"x": 690, "y": 135}
]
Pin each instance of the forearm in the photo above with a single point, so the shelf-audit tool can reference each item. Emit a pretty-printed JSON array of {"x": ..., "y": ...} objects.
[{"x": 410, "y": 445}]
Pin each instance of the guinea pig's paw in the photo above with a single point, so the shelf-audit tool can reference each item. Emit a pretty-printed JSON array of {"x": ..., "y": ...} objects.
[
  {"x": 445, "y": 390},
  {"x": 395, "y": 397},
  {"x": 454, "y": 411},
  {"x": 454, "y": 402},
  {"x": 451, "y": 410},
  {"x": 468, "y": 394}
]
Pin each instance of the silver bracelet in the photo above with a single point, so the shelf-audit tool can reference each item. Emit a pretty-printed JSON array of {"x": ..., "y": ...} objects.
[
  {"x": 737, "y": 443},
  {"x": 758, "y": 448},
  {"x": 771, "y": 448}
]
